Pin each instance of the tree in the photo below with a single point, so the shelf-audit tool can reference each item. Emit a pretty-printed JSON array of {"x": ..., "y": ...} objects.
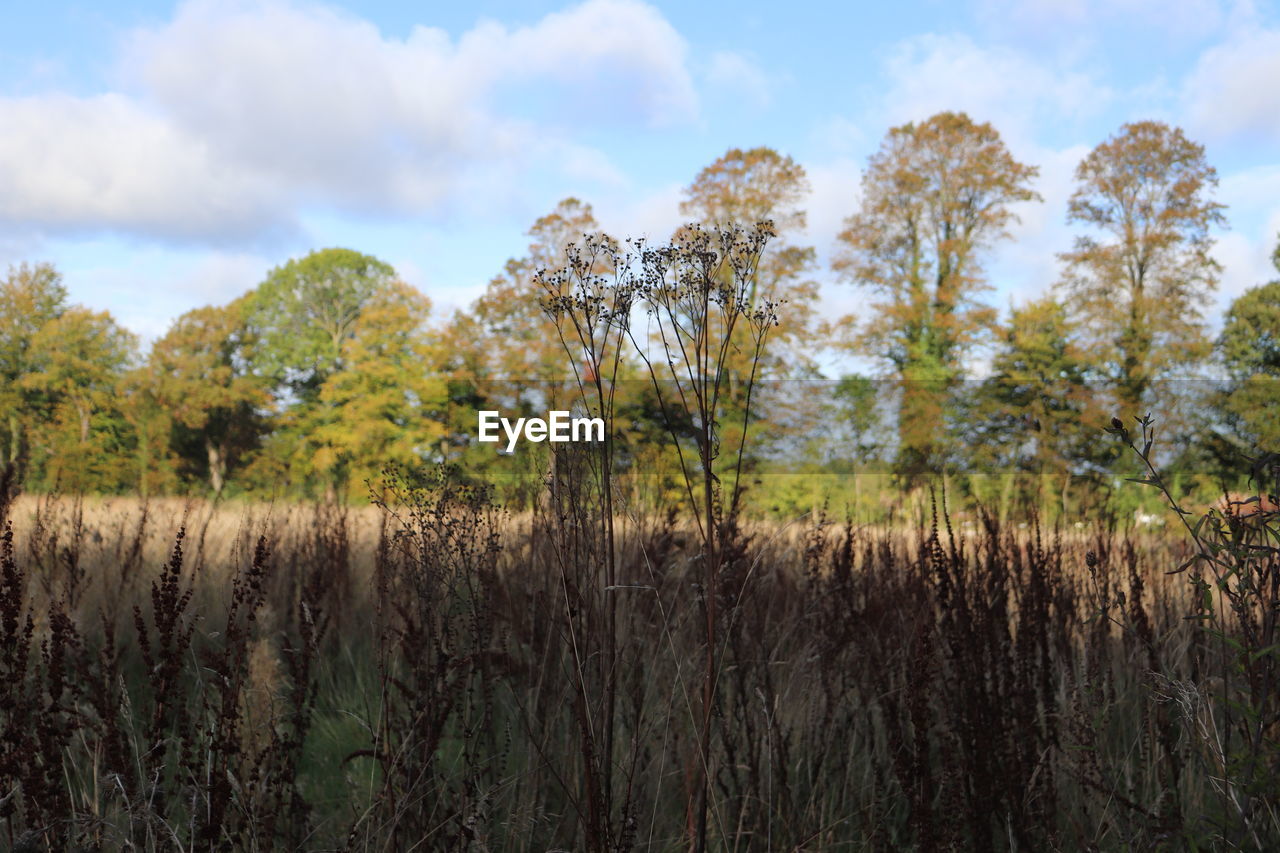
[
  {"x": 1036, "y": 413},
  {"x": 745, "y": 187},
  {"x": 200, "y": 373},
  {"x": 738, "y": 190},
  {"x": 505, "y": 352},
  {"x": 76, "y": 363},
  {"x": 504, "y": 340},
  {"x": 855, "y": 400},
  {"x": 935, "y": 196},
  {"x": 385, "y": 406},
  {"x": 1139, "y": 279},
  {"x": 1249, "y": 347},
  {"x": 30, "y": 298},
  {"x": 304, "y": 311},
  {"x": 305, "y": 317}
]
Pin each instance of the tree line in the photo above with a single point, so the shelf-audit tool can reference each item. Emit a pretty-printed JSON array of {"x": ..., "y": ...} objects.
[{"x": 333, "y": 368}]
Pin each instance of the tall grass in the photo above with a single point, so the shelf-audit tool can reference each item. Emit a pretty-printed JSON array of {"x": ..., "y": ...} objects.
[
  {"x": 433, "y": 673},
  {"x": 422, "y": 677}
]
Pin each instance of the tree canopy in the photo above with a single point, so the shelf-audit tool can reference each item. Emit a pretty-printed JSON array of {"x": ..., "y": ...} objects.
[
  {"x": 1141, "y": 275},
  {"x": 934, "y": 197}
]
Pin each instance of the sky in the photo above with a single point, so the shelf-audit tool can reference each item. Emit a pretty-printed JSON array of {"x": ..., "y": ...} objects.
[{"x": 166, "y": 156}]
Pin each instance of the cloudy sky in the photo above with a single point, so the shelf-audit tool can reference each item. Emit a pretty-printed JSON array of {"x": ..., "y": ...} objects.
[{"x": 166, "y": 155}]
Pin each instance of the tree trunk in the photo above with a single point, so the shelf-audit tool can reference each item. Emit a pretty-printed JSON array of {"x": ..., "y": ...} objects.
[
  {"x": 217, "y": 466},
  {"x": 15, "y": 440}
]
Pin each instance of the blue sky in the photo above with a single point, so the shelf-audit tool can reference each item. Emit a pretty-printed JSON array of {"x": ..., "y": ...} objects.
[{"x": 166, "y": 155}]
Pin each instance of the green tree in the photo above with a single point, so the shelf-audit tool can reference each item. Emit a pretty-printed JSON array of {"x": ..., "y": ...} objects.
[
  {"x": 201, "y": 374},
  {"x": 856, "y": 399},
  {"x": 306, "y": 320},
  {"x": 30, "y": 297},
  {"x": 156, "y": 466},
  {"x": 935, "y": 196},
  {"x": 1036, "y": 413},
  {"x": 1138, "y": 281},
  {"x": 1249, "y": 347},
  {"x": 306, "y": 309}
]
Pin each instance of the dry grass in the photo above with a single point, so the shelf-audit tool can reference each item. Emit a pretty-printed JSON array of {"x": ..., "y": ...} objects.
[{"x": 429, "y": 676}]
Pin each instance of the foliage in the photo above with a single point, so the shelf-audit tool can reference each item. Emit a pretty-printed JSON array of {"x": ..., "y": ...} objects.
[
  {"x": 331, "y": 367},
  {"x": 30, "y": 298},
  {"x": 1139, "y": 279},
  {"x": 347, "y": 343},
  {"x": 1250, "y": 349},
  {"x": 201, "y": 374},
  {"x": 743, "y": 188},
  {"x": 1038, "y": 410},
  {"x": 759, "y": 185},
  {"x": 75, "y": 361},
  {"x": 304, "y": 311},
  {"x": 935, "y": 196},
  {"x": 505, "y": 353},
  {"x": 381, "y": 408}
]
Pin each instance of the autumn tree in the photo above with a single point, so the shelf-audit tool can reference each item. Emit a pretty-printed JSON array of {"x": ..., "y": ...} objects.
[
  {"x": 505, "y": 341},
  {"x": 505, "y": 352},
  {"x": 935, "y": 197},
  {"x": 312, "y": 318},
  {"x": 31, "y": 296},
  {"x": 745, "y": 187},
  {"x": 1141, "y": 275},
  {"x": 76, "y": 362},
  {"x": 739, "y": 189},
  {"x": 1249, "y": 347},
  {"x": 385, "y": 405},
  {"x": 200, "y": 372}
]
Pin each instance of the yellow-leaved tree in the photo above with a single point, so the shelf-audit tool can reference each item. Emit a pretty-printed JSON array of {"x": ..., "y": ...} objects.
[
  {"x": 1139, "y": 278},
  {"x": 385, "y": 405},
  {"x": 935, "y": 197},
  {"x": 200, "y": 373}
]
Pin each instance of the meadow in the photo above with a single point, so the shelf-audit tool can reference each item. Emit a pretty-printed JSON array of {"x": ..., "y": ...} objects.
[{"x": 433, "y": 673}]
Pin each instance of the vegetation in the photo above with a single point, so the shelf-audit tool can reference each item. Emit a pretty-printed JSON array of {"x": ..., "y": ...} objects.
[
  {"x": 332, "y": 367},
  {"x": 430, "y": 673},
  {"x": 934, "y": 623},
  {"x": 935, "y": 195}
]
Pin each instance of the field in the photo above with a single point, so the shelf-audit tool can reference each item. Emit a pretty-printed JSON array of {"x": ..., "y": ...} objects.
[{"x": 435, "y": 674}]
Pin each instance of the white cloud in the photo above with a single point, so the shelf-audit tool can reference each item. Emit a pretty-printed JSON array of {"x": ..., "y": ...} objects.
[
  {"x": 931, "y": 73},
  {"x": 236, "y": 116},
  {"x": 1026, "y": 266},
  {"x": 174, "y": 281},
  {"x": 740, "y": 77},
  {"x": 1234, "y": 89},
  {"x": 1252, "y": 197},
  {"x": 839, "y": 135},
  {"x": 654, "y": 216},
  {"x": 80, "y": 164},
  {"x": 1058, "y": 18},
  {"x": 837, "y": 192}
]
